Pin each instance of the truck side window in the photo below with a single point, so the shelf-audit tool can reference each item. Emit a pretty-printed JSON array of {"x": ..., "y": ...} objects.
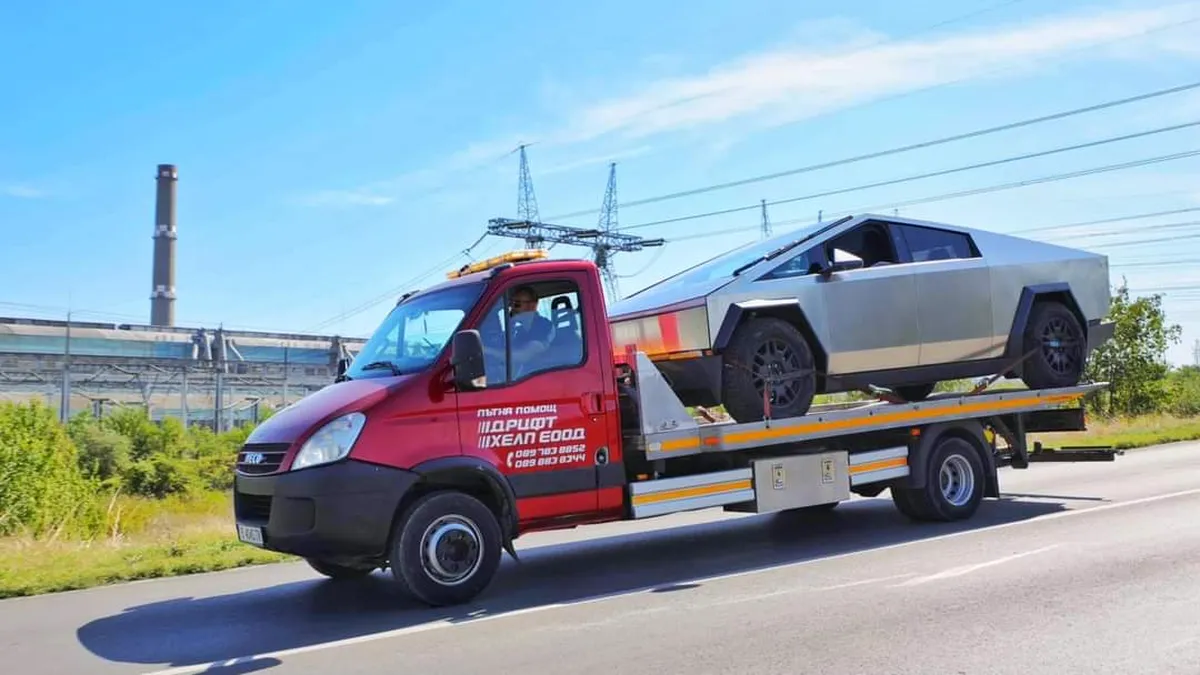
[{"x": 530, "y": 329}]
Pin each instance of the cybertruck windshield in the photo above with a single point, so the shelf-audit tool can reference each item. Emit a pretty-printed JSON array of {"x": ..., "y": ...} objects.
[
  {"x": 725, "y": 265},
  {"x": 414, "y": 333}
]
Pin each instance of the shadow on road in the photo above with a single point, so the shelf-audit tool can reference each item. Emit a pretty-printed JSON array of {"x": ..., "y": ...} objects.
[{"x": 188, "y": 631}]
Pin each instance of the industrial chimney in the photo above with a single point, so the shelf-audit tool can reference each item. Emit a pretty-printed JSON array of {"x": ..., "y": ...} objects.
[{"x": 162, "y": 300}]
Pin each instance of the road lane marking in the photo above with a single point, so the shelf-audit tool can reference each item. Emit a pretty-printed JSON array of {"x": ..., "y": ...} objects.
[
  {"x": 446, "y": 623},
  {"x": 967, "y": 569}
]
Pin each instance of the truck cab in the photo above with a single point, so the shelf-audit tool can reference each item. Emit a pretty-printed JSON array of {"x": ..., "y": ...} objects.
[{"x": 481, "y": 408}]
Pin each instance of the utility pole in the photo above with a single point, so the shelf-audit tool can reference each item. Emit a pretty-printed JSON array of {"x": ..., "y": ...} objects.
[
  {"x": 64, "y": 411},
  {"x": 1196, "y": 353},
  {"x": 766, "y": 222}
]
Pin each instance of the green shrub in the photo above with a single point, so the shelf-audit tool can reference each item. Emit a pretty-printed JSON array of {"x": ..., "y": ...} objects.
[{"x": 42, "y": 490}]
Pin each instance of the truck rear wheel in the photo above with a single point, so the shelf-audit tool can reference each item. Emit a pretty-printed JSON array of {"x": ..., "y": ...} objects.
[
  {"x": 954, "y": 484},
  {"x": 446, "y": 548},
  {"x": 771, "y": 353}
]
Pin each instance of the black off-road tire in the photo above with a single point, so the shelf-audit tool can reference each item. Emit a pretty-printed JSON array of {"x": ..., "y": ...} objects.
[
  {"x": 1059, "y": 346},
  {"x": 471, "y": 539},
  {"x": 336, "y": 571},
  {"x": 955, "y": 481},
  {"x": 755, "y": 347}
]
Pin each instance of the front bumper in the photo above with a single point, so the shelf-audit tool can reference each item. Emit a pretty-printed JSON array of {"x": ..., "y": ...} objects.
[{"x": 338, "y": 512}]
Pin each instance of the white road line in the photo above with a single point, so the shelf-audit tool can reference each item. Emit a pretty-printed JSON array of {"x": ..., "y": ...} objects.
[
  {"x": 433, "y": 625},
  {"x": 967, "y": 569}
]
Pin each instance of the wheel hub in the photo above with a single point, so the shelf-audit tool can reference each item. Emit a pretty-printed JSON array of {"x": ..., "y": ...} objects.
[
  {"x": 1060, "y": 348},
  {"x": 775, "y": 368},
  {"x": 956, "y": 480},
  {"x": 451, "y": 550}
]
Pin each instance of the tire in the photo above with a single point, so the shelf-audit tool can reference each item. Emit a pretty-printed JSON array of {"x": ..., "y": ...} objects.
[
  {"x": 1060, "y": 344},
  {"x": 915, "y": 392},
  {"x": 457, "y": 521},
  {"x": 767, "y": 346},
  {"x": 336, "y": 571},
  {"x": 954, "y": 484}
]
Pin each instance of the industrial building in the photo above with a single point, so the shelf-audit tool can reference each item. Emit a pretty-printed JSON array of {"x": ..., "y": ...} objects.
[{"x": 213, "y": 377}]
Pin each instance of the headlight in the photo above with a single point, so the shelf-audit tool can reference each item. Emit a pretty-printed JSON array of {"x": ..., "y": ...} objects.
[{"x": 331, "y": 442}]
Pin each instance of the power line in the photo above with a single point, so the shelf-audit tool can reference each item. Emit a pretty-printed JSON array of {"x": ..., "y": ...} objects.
[
  {"x": 1032, "y": 181},
  {"x": 391, "y": 293},
  {"x": 1104, "y": 221},
  {"x": 970, "y": 167},
  {"x": 896, "y": 150}
]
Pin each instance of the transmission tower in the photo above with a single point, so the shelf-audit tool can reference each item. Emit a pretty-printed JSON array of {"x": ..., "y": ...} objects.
[
  {"x": 766, "y": 222},
  {"x": 604, "y": 240},
  {"x": 1196, "y": 353}
]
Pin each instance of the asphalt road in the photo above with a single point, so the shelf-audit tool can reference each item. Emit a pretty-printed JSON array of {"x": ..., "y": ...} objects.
[{"x": 1084, "y": 568}]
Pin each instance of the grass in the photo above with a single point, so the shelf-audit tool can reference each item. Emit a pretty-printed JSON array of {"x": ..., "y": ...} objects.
[
  {"x": 170, "y": 537},
  {"x": 147, "y": 539},
  {"x": 1127, "y": 434}
]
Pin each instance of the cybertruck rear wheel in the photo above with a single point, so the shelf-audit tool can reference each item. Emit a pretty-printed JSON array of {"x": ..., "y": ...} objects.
[
  {"x": 446, "y": 548},
  {"x": 1058, "y": 345},
  {"x": 769, "y": 354}
]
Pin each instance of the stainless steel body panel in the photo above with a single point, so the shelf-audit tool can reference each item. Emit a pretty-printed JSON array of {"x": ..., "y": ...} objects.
[
  {"x": 954, "y": 311},
  {"x": 783, "y": 483}
]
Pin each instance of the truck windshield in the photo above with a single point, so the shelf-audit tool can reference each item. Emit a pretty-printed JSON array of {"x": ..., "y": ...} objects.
[{"x": 414, "y": 333}]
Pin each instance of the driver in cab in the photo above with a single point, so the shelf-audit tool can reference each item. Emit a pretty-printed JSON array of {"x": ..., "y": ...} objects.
[{"x": 528, "y": 332}]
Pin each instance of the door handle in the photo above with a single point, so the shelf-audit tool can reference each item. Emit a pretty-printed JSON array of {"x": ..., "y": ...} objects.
[{"x": 593, "y": 402}]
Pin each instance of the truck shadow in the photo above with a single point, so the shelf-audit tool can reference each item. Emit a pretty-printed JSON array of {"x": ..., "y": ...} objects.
[{"x": 186, "y": 630}]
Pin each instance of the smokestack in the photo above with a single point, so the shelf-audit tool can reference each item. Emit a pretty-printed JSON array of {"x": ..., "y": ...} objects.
[{"x": 162, "y": 300}]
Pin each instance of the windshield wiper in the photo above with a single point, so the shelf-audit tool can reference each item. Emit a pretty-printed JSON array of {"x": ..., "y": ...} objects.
[
  {"x": 789, "y": 246},
  {"x": 378, "y": 365}
]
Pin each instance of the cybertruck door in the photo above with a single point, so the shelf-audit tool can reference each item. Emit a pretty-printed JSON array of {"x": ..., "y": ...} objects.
[
  {"x": 954, "y": 295},
  {"x": 870, "y": 312}
]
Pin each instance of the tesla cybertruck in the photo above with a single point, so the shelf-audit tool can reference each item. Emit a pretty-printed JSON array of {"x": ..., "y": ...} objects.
[{"x": 868, "y": 302}]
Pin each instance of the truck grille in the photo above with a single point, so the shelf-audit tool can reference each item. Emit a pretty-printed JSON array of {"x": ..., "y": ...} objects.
[
  {"x": 252, "y": 507},
  {"x": 259, "y": 458}
]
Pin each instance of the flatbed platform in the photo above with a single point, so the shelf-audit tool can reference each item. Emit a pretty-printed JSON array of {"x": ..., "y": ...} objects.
[{"x": 669, "y": 431}]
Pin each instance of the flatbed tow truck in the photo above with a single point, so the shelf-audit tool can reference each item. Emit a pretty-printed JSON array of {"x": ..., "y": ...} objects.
[{"x": 436, "y": 449}]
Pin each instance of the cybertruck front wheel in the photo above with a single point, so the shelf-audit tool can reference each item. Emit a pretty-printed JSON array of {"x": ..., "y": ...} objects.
[
  {"x": 770, "y": 354},
  {"x": 446, "y": 548},
  {"x": 1055, "y": 343}
]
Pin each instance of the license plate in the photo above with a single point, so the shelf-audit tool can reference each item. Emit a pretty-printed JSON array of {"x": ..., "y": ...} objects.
[{"x": 250, "y": 535}]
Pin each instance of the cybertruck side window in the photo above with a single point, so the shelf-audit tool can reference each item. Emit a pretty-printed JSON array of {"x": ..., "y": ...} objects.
[
  {"x": 927, "y": 243},
  {"x": 520, "y": 340}
]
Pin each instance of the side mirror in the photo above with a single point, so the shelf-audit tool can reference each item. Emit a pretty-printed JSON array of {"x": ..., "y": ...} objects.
[
  {"x": 466, "y": 358},
  {"x": 841, "y": 266}
]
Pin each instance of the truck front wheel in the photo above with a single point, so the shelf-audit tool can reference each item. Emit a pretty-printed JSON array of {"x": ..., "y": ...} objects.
[{"x": 446, "y": 548}]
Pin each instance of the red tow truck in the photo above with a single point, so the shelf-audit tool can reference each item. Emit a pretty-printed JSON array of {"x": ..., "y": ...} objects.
[{"x": 446, "y": 439}]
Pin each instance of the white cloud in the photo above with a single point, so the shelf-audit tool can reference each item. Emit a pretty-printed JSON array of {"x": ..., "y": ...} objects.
[
  {"x": 22, "y": 191},
  {"x": 345, "y": 198},
  {"x": 788, "y": 84},
  {"x": 813, "y": 72}
]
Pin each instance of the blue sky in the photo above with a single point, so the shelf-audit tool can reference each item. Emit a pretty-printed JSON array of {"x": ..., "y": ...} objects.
[{"x": 333, "y": 154}]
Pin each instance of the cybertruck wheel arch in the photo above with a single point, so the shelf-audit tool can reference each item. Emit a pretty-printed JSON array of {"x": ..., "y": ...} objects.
[
  {"x": 1030, "y": 295},
  {"x": 787, "y": 310}
]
